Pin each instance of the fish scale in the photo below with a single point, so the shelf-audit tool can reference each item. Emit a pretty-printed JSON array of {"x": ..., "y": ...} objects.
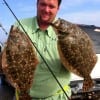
[
  {"x": 76, "y": 50},
  {"x": 19, "y": 61}
]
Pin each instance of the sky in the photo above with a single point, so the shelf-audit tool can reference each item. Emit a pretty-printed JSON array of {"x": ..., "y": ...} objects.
[{"x": 76, "y": 11}]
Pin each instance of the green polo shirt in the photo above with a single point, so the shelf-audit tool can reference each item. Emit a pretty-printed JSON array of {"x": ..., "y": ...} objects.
[{"x": 44, "y": 84}]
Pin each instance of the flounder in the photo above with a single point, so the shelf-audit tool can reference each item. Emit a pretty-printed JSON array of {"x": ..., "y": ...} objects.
[
  {"x": 19, "y": 61},
  {"x": 76, "y": 50}
]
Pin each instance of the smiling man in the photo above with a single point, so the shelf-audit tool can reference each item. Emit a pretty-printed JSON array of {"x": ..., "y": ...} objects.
[{"x": 44, "y": 85}]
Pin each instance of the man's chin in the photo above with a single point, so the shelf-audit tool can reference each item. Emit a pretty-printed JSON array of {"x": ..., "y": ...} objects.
[
  {"x": 45, "y": 18},
  {"x": 46, "y": 21}
]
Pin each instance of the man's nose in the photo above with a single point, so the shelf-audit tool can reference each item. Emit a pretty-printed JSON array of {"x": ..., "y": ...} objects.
[{"x": 47, "y": 9}]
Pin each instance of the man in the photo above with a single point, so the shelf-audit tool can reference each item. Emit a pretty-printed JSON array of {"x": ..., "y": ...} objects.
[{"x": 44, "y": 85}]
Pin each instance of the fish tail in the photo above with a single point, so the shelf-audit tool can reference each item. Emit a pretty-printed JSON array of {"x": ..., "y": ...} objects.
[{"x": 87, "y": 84}]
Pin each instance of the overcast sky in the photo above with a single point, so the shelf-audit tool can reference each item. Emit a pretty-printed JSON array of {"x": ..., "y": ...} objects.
[{"x": 76, "y": 11}]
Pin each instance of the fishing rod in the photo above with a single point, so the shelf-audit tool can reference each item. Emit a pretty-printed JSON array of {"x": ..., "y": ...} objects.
[{"x": 36, "y": 49}]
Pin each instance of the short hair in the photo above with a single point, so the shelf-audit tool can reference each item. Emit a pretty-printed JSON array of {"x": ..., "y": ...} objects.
[{"x": 59, "y": 2}]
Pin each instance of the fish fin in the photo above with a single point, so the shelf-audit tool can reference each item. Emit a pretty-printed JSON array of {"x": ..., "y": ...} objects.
[{"x": 87, "y": 84}]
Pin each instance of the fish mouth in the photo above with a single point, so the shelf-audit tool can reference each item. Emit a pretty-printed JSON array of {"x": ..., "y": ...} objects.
[
  {"x": 58, "y": 25},
  {"x": 55, "y": 24}
]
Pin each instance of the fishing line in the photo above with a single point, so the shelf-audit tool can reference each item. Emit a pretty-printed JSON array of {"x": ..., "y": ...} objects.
[
  {"x": 3, "y": 29},
  {"x": 37, "y": 50}
]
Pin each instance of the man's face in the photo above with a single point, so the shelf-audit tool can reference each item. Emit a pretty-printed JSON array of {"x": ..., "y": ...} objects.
[{"x": 47, "y": 10}]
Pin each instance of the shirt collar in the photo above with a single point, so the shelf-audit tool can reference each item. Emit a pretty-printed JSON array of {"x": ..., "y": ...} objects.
[
  {"x": 35, "y": 25},
  {"x": 50, "y": 31}
]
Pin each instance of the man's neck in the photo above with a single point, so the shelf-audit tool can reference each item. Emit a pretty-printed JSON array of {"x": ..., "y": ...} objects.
[{"x": 43, "y": 25}]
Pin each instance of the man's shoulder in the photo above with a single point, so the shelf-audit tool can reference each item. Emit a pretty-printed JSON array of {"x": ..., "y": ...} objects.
[{"x": 27, "y": 20}]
